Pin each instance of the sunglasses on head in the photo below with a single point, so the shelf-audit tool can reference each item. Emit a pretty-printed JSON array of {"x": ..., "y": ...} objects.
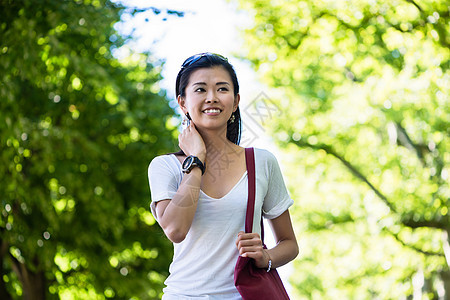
[{"x": 196, "y": 57}]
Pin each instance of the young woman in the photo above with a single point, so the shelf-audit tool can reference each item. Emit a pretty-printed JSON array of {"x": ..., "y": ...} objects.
[{"x": 199, "y": 195}]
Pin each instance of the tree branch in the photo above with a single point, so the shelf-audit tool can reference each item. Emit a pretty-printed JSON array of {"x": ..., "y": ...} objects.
[
  {"x": 404, "y": 140},
  {"x": 416, "y": 5},
  {"x": 409, "y": 222},
  {"x": 412, "y": 246},
  {"x": 420, "y": 150},
  {"x": 349, "y": 166},
  {"x": 422, "y": 223}
]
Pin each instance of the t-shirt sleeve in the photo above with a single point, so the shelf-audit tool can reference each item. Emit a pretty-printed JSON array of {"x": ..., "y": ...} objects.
[
  {"x": 163, "y": 180},
  {"x": 277, "y": 199}
]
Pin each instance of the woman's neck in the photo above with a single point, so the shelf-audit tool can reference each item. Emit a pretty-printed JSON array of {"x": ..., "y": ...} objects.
[{"x": 216, "y": 144}]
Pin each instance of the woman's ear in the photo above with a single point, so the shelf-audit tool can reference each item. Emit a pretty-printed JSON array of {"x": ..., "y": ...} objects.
[
  {"x": 236, "y": 102},
  {"x": 182, "y": 104}
]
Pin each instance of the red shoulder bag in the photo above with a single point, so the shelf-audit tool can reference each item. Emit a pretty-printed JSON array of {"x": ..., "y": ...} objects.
[{"x": 254, "y": 283}]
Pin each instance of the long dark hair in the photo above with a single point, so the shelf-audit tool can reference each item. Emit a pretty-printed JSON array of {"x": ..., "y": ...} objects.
[{"x": 209, "y": 60}]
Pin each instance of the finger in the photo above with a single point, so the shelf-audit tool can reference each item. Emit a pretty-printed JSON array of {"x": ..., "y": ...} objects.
[
  {"x": 248, "y": 236},
  {"x": 240, "y": 233},
  {"x": 252, "y": 252},
  {"x": 250, "y": 243},
  {"x": 248, "y": 239},
  {"x": 260, "y": 260},
  {"x": 254, "y": 248},
  {"x": 251, "y": 247},
  {"x": 240, "y": 236},
  {"x": 254, "y": 255}
]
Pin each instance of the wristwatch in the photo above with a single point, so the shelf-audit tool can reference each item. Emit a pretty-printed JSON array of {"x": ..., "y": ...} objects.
[{"x": 190, "y": 162}]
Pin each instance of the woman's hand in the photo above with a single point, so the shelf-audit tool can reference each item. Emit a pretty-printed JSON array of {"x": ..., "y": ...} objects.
[
  {"x": 250, "y": 245},
  {"x": 191, "y": 142}
]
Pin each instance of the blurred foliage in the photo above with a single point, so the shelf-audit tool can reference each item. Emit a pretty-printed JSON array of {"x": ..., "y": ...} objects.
[
  {"x": 78, "y": 128},
  {"x": 363, "y": 87}
]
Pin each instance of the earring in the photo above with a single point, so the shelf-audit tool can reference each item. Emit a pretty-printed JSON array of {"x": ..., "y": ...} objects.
[
  {"x": 232, "y": 118},
  {"x": 186, "y": 120}
]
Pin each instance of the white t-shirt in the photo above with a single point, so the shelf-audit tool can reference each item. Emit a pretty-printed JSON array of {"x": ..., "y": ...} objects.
[{"x": 203, "y": 263}]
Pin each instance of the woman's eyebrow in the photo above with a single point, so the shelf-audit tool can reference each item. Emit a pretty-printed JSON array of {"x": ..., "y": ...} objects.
[{"x": 204, "y": 83}]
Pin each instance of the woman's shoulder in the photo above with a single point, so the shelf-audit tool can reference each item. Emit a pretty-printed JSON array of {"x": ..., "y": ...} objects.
[
  {"x": 164, "y": 160},
  {"x": 264, "y": 154},
  {"x": 265, "y": 159},
  {"x": 162, "y": 157}
]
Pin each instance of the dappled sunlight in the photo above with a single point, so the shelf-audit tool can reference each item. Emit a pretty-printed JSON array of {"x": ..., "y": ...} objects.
[{"x": 365, "y": 142}]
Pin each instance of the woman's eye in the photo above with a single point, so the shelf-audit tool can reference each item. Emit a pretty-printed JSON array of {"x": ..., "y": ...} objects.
[
  {"x": 223, "y": 89},
  {"x": 200, "y": 90}
]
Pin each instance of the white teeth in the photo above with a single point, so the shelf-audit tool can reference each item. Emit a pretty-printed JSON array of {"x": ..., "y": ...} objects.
[{"x": 209, "y": 111}]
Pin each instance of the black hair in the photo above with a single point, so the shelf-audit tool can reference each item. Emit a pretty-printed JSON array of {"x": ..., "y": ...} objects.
[{"x": 209, "y": 60}]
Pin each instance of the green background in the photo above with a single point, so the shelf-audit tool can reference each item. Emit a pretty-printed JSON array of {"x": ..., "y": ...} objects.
[{"x": 362, "y": 91}]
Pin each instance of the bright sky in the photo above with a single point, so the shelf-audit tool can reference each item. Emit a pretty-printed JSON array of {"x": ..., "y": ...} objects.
[{"x": 207, "y": 26}]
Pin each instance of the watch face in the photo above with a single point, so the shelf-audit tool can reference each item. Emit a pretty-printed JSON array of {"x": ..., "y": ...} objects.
[{"x": 188, "y": 162}]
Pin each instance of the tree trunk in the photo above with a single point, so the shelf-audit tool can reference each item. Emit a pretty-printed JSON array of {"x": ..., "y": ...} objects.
[
  {"x": 3, "y": 291},
  {"x": 33, "y": 283},
  {"x": 446, "y": 245},
  {"x": 34, "y": 288},
  {"x": 445, "y": 276}
]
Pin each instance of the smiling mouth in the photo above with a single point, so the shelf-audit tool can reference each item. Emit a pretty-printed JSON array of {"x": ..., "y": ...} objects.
[{"x": 212, "y": 111}]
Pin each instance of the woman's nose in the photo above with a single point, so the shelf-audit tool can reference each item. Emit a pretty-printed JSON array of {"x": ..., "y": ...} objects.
[{"x": 211, "y": 97}]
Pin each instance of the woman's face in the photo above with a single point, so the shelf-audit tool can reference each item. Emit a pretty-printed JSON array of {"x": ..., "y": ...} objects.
[{"x": 209, "y": 98}]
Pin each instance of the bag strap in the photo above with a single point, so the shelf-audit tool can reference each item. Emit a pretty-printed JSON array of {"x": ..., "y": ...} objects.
[{"x": 250, "y": 162}]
